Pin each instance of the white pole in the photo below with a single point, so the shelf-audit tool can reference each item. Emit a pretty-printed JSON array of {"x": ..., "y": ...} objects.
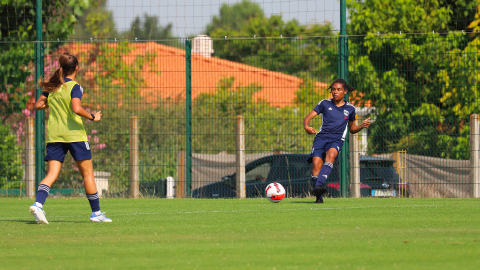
[
  {"x": 240, "y": 161},
  {"x": 134, "y": 169},
  {"x": 30, "y": 159},
  {"x": 355, "y": 166},
  {"x": 475, "y": 155},
  {"x": 170, "y": 187}
]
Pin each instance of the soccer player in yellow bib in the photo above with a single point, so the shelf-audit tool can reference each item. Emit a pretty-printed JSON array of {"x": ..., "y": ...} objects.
[{"x": 63, "y": 95}]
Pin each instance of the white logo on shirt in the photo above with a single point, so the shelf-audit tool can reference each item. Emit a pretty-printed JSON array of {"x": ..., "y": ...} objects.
[
  {"x": 345, "y": 112},
  {"x": 81, "y": 89},
  {"x": 330, "y": 108}
]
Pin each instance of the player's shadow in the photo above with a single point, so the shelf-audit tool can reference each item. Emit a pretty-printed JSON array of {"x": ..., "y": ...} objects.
[
  {"x": 19, "y": 221},
  {"x": 34, "y": 222},
  {"x": 303, "y": 201}
]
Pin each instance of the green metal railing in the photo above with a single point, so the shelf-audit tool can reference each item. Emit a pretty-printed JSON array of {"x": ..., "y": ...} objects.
[{"x": 419, "y": 91}]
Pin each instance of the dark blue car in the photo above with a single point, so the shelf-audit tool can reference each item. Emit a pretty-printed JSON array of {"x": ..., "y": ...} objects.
[{"x": 377, "y": 178}]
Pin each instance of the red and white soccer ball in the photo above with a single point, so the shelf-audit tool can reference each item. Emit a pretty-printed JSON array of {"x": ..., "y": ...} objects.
[{"x": 275, "y": 192}]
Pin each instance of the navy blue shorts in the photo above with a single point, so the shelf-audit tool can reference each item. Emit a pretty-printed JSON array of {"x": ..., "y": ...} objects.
[
  {"x": 321, "y": 146},
  {"x": 58, "y": 150}
]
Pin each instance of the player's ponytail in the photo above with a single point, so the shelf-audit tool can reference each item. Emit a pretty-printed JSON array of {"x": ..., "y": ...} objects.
[
  {"x": 343, "y": 83},
  {"x": 68, "y": 64}
]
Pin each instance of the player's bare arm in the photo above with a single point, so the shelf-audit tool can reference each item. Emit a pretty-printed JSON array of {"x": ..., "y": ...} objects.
[
  {"x": 354, "y": 128},
  {"x": 78, "y": 109},
  {"x": 42, "y": 103},
  {"x": 306, "y": 122}
]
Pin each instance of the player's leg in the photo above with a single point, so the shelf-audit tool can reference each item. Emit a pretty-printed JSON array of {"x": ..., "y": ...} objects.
[
  {"x": 83, "y": 157},
  {"x": 333, "y": 149},
  {"x": 317, "y": 163},
  {"x": 55, "y": 156},
  {"x": 327, "y": 167},
  {"x": 316, "y": 157},
  {"x": 36, "y": 209},
  {"x": 86, "y": 169}
]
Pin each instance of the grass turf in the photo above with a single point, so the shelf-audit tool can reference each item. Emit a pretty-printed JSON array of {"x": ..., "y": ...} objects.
[{"x": 367, "y": 233}]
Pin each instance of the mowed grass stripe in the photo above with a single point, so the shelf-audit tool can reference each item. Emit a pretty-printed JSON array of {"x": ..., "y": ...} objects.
[{"x": 367, "y": 233}]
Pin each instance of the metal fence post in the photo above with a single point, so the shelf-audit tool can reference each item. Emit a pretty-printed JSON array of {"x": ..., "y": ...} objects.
[
  {"x": 134, "y": 169},
  {"x": 180, "y": 184},
  {"x": 475, "y": 155},
  {"x": 30, "y": 158},
  {"x": 39, "y": 115},
  {"x": 343, "y": 73},
  {"x": 355, "y": 166},
  {"x": 188, "y": 117},
  {"x": 240, "y": 158}
]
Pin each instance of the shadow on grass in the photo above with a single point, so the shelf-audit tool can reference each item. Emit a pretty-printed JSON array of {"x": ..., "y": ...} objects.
[
  {"x": 303, "y": 201},
  {"x": 34, "y": 222}
]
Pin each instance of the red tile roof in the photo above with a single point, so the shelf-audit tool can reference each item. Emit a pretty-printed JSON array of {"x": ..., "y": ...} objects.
[{"x": 165, "y": 75}]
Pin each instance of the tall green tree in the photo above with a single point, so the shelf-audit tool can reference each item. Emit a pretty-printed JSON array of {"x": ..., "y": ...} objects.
[
  {"x": 294, "y": 54},
  {"x": 424, "y": 87},
  {"x": 409, "y": 15},
  {"x": 17, "y": 18},
  {"x": 234, "y": 17},
  {"x": 148, "y": 28},
  {"x": 17, "y": 23},
  {"x": 97, "y": 22}
]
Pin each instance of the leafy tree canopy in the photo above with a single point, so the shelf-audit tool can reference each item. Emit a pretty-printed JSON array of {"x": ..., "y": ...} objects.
[
  {"x": 292, "y": 55},
  {"x": 234, "y": 17},
  {"x": 409, "y": 15},
  {"x": 97, "y": 22},
  {"x": 17, "y": 18},
  {"x": 148, "y": 28},
  {"x": 423, "y": 86}
]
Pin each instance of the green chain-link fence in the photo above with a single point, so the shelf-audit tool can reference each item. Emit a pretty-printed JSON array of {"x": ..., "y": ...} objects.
[{"x": 184, "y": 97}]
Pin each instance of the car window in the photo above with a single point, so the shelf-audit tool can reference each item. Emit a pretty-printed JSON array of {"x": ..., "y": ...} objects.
[
  {"x": 259, "y": 173},
  {"x": 377, "y": 172},
  {"x": 389, "y": 174}
]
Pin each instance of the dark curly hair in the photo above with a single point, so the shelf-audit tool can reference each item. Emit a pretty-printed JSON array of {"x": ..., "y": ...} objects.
[{"x": 344, "y": 84}]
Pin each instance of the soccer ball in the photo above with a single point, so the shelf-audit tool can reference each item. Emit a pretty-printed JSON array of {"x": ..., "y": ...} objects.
[{"x": 275, "y": 192}]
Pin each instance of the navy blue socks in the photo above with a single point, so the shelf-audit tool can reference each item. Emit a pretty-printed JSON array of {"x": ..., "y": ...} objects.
[
  {"x": 314, "y": 182},
  {"x": 94, "y": 201},
  {"x": 324, "y": 173},
  {"x": 42, "y": 194}
]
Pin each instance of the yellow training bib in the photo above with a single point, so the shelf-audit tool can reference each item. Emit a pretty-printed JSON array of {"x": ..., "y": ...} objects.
[{"x": 63, "y": 124}]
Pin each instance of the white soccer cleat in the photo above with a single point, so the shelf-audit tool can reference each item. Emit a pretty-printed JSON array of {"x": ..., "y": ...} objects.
[
  {"x": 99, "y": 218},
  {"x": 39, "y": 214}
]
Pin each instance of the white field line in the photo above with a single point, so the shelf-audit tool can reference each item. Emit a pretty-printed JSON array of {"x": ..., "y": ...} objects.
[{"x": 242, "y": 210}]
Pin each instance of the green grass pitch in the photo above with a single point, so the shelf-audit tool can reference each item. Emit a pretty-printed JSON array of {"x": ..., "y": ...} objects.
[{"x": 367, "y": 233}]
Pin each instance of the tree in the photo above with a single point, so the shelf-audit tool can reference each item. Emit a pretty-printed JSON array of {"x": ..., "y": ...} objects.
[
  {"x": 294, "y": 54},
  {"x": 409, "y": 15},
  {"x": 17, "y": 18},
  {"x": 423, "y": 86},
  {"x": 234, "y": 17},
  {"x": 97, "y": 22},
  {"x": 17, "y": 23},
  {"x": 475, "y": 24},
  {"x": 148, "y": 28}
]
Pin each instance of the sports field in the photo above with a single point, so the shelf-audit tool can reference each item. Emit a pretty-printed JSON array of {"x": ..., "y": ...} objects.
[{"x": 367, "y": 233}]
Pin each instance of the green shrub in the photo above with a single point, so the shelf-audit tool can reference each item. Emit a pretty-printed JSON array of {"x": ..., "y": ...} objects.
[{"x": 11, "y": 169}]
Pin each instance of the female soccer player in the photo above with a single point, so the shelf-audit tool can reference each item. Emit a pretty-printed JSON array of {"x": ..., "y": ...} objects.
[
  {"x": 329, "y": 140},
  {"x": 63, "y": 95}
]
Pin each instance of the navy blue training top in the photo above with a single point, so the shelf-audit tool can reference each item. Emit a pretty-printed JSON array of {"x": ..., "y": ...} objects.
[
  {"x": 335, "y": 119},
  {"x": 77, "y": 90}
]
